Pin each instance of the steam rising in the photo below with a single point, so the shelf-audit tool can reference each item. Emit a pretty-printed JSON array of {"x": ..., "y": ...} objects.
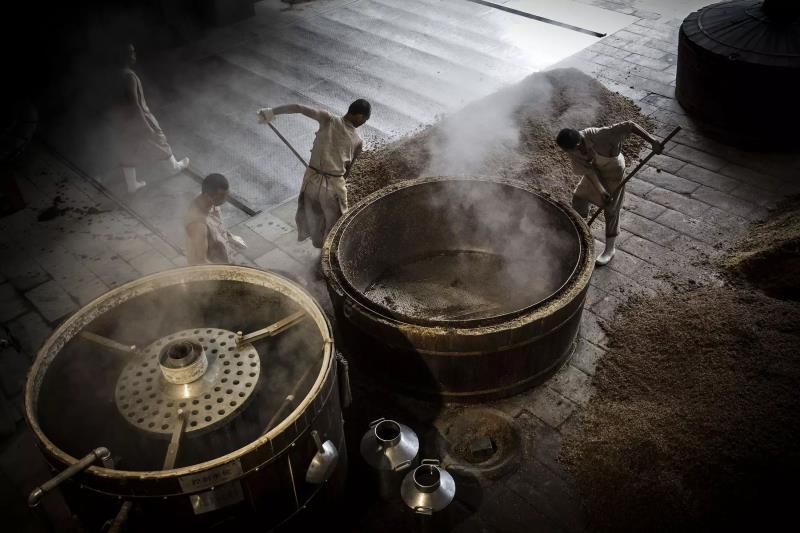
[
  {"x": 484, "y": 138},
  {"x": 459, "y": 250},
  {"x": 488, "y": 249},
  {"x": 76, "y": 403}
]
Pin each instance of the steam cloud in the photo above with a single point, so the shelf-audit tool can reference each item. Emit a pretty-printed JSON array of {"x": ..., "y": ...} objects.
[
  {"x": 76, "y": 406},
  {"x": 484, "y": 140}
]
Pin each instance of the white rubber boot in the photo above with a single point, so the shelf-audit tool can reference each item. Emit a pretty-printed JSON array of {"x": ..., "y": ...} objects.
[
  {"x": 172, "y": 166},
  {"x": 129, "y": 173},
  {"x": 608, "y": 254}
]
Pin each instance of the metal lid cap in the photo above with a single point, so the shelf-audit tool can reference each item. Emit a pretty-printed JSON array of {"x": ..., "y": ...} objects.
[{"x": 428, "y": 488}]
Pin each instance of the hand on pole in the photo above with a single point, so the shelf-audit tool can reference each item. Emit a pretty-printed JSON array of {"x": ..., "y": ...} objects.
[
  {"x": 657, "y": 147},
  {"x": 265, "y": 115}
]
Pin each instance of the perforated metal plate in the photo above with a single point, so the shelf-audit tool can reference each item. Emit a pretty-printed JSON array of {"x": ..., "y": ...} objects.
[{"x": 151, "y": 403}]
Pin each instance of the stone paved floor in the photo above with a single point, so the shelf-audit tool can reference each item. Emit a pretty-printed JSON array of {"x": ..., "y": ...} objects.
[
  {"x": 680, "y": 212},
  {"x": 50, "y": 268},
  {"x": 414, "y": 60}
]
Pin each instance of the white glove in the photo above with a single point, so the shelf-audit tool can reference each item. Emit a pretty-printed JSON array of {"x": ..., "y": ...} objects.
[
  {"x": 237, "y": 241},
  {"x": 265, "y": 115}
]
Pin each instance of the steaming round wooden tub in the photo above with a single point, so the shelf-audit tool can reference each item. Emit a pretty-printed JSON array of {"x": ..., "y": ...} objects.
[
  {"x": 463, "y": 288},
  {"x": 247, "y": 426}
]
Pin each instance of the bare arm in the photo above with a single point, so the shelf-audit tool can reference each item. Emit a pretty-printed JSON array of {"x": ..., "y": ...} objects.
[
  {"x": 658, "y": 147},
  {"x": 595, "y": 181},
  {"x": 356, "y": 153},
  {"x": 317, "y": 114},
  {"x": 196, "y": 244},
  {"x": 641, "y": 132},
  {"x": 588, "y": 169}
]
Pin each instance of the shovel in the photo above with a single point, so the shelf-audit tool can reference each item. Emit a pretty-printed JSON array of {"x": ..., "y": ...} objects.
[{"x": 635, "y": 170}]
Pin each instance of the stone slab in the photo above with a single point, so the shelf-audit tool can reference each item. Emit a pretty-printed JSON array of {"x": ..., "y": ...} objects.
[
  {"x": 12, "y": 304},
  {"x": 51, "y": 301}
]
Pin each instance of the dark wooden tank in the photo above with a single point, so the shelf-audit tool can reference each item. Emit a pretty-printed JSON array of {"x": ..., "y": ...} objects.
[
  {"x": 739, "y": 71},
  {"x": 462, "y": 288}
]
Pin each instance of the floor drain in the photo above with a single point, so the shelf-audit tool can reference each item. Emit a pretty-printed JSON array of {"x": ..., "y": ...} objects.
[{"x": 481, "y": 441}]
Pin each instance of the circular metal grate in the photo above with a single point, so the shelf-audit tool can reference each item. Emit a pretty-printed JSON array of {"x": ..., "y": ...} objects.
[{"x": 151, "y": 403}]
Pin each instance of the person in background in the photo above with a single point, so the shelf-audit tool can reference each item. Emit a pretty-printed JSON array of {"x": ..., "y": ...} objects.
[
  {"x": 140, "y": 138},
  {"x": 207, "y": 240},
  {"x": 323, "y": 195},
  {"x": 596, "y": 154}
]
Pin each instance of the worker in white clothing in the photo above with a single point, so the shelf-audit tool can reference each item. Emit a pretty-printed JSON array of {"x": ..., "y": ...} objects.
[
  {"x": 139, "y": 137},
  {"x": 596, "y": 154},
  {"x": 323, "y": 196}
]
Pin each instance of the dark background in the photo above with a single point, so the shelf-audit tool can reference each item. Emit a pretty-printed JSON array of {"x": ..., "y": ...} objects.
[{"x": 44, "y": 42}]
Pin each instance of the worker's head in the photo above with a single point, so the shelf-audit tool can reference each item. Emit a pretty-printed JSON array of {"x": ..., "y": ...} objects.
[
  {"x": 215, "y": 187},
  {"x": 126, "y": 54},
  {"x": 568, "y": 139},
  {"x": 358, "y": 112}
]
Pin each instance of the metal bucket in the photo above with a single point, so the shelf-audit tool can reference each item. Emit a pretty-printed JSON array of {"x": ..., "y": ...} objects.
[
  {"x": 428, "y": 491},
  {"x": 391, "y": 449}
]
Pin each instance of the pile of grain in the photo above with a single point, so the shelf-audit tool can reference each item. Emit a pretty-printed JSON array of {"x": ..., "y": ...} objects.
[
  {"x": 694, "y": 425},
  {"x": 769, "y": 257},
  {"x": 537, "y": 107}
]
